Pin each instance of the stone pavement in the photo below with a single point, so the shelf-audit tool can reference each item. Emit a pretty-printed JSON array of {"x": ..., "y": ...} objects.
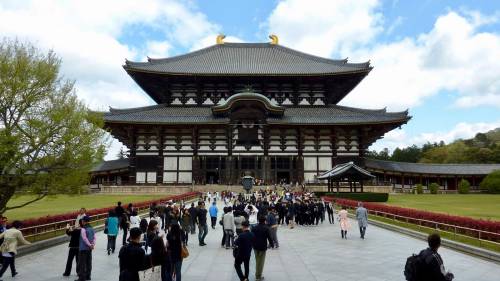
[{"x": 305, "y": 253}]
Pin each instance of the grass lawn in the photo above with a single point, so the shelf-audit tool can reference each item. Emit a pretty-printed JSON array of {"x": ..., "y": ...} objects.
[
  {"x": 60, "y": 204},
  {"x": 484, "y": 206}
]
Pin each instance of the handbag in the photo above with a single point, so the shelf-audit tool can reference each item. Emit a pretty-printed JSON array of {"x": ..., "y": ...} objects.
[
  {"x": 236, "y": 251},
  {"x": 184, "y": 252},
  {"x": 106, "y": 226}
]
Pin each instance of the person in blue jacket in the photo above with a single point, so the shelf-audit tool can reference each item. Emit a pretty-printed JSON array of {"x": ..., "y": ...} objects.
[
  {"x": 111, "y": 225},
  {"x": 213, "y": 214}
]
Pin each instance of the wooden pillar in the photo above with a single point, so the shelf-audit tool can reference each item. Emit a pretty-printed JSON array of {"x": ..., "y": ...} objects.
[
  {"x": 350, "y": 186},
  {"x": 473, "y": 183},
  {"x": 159, "y": 168},
  {"x": 403, "y": 181},
  {"x": 132, "y": 157}
]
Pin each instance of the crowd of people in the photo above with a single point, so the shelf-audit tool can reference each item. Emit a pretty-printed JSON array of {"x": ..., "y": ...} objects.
[{"x": 158, "y": 245}]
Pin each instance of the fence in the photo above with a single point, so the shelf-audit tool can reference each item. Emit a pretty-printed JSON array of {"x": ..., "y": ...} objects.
[
  {"x": 480, "y": 236},
  {"x": 53, "y": 229}
]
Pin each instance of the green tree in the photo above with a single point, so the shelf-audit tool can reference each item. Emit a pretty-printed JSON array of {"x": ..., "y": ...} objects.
[
  {"x": 433, "y": 188},
  {"x": 122, "y": 154},
  {"x": 491, "y": 182},
  {"x": 408, "y": 154},
  {"x": 49, "y": 140},
  {"x": 419, "y": 189},
  {"x": 463, "y": 186}
]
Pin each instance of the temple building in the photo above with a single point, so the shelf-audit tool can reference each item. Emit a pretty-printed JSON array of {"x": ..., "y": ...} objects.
[{"x": 235, "y": 109}]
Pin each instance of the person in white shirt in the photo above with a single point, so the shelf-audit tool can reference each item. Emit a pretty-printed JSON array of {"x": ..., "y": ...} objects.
[
  {"x": 80, "y": 216},
  {"x": 252, "y": 212},
  {"x": 135, "y": 220}
]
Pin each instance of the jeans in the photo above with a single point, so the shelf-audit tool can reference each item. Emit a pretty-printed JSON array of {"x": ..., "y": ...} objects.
[
  {"x": 362, "y": 231},
  {"x": 260, "y": 259},
  {"x": 125, "y": 230},
  {"x": 202, "y": 232},
  {"x": 214, "y": 221},
  {"x": 111, "y": 243},
  {"x": 229, "y": 237},
  {"x": 237, "y": 265},
  {"x": 174, "y": 269},
  {"x": 72, "y": 254},
  {"x": 193, "y": 226},
  {"x": 274, "y": 236},
  {"x": 84, "y": 265},
  {"x": 9, "y": 261}
]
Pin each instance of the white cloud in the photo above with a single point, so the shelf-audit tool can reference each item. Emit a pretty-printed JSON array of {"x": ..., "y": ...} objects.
[
  {"x": 87, "y": 36},
  {"x": 400, "y": 138},
  {"x": 326, "y": 27},
  {"x": 455, "y": 56},
  {"x": 158, "y": 49}
]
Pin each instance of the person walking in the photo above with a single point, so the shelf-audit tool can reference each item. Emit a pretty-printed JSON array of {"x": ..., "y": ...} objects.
[
  {"x": 273, "y": 226},
  {"x": 229, "y": 227},
  {"x": 192, "y": 213},
  {"x": 433, "y": 265},
  {"x": 185, "y": 224},
  {"x": 201, "y": 218},
  {"x": 262, "y": 235},
  {"x": 213, "y": 210},
  {"x": 87, "y": 244},
  {"x": 131, "y": 257},
  {"x": 12, "y": 238},
  {"x": 174, "y": 246},
  {"x": 124, "y": 225},
  {"x": 111, "y": 226},
  {"x": 3, "y": 228},
  {"x": 362, "y": 217},
  {"x": 74, "y": 244},
  {"x": 243, "y": 251},
  {"x": 252, "y": 212},
  {"x": 135, "y": 220},
  {"x": 330, "y": 209},
  {"x": 344, "y": 222}
]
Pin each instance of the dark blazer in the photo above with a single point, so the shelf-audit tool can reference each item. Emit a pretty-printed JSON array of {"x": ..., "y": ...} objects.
[
  {"x": 132, "y": 260},
  {"x": 74, "y": 241},
  {"x": 244, "y": 243},
  {"x": 262, "y": 235}
]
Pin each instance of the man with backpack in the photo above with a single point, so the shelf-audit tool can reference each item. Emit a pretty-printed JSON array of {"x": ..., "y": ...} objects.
[{"x": 428, "y": 264}]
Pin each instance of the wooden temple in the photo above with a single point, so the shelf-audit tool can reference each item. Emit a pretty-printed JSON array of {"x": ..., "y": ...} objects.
[{"x": 235, "y": 109}]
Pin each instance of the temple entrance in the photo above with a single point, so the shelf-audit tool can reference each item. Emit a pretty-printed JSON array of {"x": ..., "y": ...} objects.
[
  {"x": 212, "y": 178},
  {"x": 283, "y": 177}
]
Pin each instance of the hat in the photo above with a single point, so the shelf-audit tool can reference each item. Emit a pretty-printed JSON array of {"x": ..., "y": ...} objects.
[{"x": 86, "y": 218}]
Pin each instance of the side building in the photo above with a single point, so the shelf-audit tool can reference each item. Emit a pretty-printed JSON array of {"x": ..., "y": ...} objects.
[{"x": 235, "y": 109}]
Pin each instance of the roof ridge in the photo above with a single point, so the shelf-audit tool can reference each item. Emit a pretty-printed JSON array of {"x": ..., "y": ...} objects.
[
  {"x": 136, "y": 109},
  {"x": 433, "y": 164}
]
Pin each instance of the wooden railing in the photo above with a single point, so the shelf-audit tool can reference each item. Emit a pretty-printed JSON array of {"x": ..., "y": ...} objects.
[{"x": 54, "y": 229}]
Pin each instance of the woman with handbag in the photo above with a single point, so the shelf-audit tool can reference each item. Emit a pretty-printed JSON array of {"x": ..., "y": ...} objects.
[{"x": 175, "y": 248}]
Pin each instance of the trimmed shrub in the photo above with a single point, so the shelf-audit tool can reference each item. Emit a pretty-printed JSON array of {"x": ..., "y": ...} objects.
[
  {"x": 365, "y": 196},
  {"x": 419, "y": 189},
  {"x": 463, "y": 187},
  {"x": 434, "y": 187},
  {"x": 491, "y": 182}
]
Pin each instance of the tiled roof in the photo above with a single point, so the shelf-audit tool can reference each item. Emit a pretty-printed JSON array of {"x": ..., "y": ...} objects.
[
  {"x": 334, "y": 114},
  {"x": 423, "y": 168},
  {"x": 111, "y": 165},
  {"x": 247, "y": 59},
  {"x": 346, "y": 169}
]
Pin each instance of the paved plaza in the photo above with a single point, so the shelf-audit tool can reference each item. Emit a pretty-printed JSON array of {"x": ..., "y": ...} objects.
[{"x": 305, "y": 253}]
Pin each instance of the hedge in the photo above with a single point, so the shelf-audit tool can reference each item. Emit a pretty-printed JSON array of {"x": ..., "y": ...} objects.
[
  {"x": 365, "y": 196},
  {"x": 72, "y": 215},
  {"x": 474, "y": 224}
]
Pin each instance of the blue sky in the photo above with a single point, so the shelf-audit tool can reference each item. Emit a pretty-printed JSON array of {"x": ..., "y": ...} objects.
[{"x": 439, "y": 59}]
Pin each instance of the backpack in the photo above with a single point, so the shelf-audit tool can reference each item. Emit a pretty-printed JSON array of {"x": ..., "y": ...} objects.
[{"x": 414, "y": 267}]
